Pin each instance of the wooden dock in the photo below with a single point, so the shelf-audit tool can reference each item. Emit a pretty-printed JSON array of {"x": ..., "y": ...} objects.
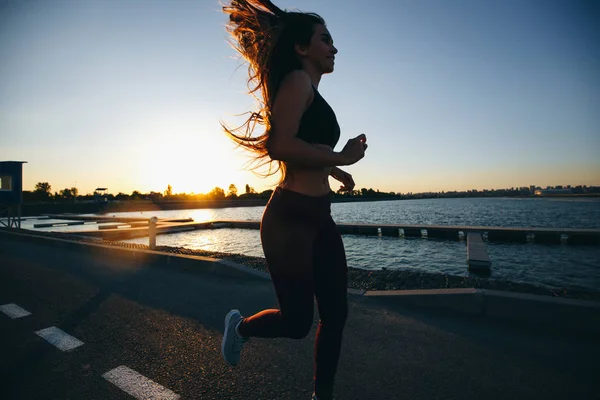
[
  {"x": 489, "y": 233},
  {"x": 99, "y": 218},
  {"x": 52, "y": 224},
  {"x": 132, "y": 227}
]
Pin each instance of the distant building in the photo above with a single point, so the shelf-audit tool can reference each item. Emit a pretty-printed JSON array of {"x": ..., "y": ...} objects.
[{"x": 547, "y": 192}]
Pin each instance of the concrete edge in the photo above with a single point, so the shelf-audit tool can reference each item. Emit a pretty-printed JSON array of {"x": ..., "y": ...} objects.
[
  {"x": 243, "y": 269},
  {"x": 356, "y": 292},
  {"x": 560, "y": 313},
  {"x": 489, "y": 293},
  {"x": 417, "y": 292},
  {"x": 529, "y": 309},
  {"x": 462, "y": 300}
]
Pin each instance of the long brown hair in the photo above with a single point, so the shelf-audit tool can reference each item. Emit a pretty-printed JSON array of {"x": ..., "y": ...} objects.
[{"x": 265, "y": 36}]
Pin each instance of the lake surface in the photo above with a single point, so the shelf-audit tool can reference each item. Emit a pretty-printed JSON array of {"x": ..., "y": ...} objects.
[{"x": 547, "y": 265}]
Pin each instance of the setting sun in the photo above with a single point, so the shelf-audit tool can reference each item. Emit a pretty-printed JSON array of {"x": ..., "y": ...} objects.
[
  {"x": 194, "y": 164},
  {"x": 190, "y": 158}
]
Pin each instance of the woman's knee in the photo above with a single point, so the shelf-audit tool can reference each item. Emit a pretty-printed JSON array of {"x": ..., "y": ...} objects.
[
  {"x": 335, "y": 318},
  {"x": 299, "y": 326}
]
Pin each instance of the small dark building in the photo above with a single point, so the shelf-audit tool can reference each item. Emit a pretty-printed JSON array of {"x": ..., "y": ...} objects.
[
  {"x": 11, "y": 193},
  {"x": 100, "y": 195}
]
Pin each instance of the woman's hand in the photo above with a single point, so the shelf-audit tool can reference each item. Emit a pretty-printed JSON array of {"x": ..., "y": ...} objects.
[{"x": 354, "y": 150}]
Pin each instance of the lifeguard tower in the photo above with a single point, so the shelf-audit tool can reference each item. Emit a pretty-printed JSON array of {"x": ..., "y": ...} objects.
[
  {"x": 11, "y": 193},
  {"x": 100, "y": 195}
]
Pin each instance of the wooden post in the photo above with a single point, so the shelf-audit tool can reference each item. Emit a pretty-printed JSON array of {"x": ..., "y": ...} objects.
[
  {"x": 477, "y": 257},
  {"x": 152, "y": 232}
]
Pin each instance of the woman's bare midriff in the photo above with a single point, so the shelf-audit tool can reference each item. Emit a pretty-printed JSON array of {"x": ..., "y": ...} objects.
[{"x": 311, "y": 182}]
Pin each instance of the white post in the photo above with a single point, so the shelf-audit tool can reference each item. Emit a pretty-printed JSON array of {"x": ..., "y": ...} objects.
[{"x": 152, "y": 232}]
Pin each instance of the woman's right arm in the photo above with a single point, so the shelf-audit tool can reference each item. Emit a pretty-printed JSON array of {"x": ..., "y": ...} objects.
[{"x": 291, "y": 101}]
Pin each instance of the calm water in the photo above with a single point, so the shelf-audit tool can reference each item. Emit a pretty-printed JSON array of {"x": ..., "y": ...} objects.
[{"x": 547, "y": 265}]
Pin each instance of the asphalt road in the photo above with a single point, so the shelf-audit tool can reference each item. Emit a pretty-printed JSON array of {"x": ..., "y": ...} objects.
[{"x": 167, "y": 327}]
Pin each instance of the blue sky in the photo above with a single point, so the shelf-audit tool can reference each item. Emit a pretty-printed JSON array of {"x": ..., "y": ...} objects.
[{"x": 452, "y": 94}]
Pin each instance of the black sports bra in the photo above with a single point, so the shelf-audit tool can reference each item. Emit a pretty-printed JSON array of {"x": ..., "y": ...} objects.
[{"x": 318, "y": 123}]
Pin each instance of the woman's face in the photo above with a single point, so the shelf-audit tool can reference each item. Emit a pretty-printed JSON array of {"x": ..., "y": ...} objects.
[{"x": 320, "y": 52}]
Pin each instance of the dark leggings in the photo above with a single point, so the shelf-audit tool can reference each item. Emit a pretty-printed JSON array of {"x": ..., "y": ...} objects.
[{"x": 306, "y": 259}]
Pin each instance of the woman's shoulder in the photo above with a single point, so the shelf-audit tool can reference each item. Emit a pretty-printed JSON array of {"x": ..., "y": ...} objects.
[
  {"x": 298, "y": 79},
  {"x": 297, "y": 84}
]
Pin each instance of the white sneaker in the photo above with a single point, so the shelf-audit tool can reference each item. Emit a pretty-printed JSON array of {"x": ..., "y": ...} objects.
[{"x": 232, "y": 344}]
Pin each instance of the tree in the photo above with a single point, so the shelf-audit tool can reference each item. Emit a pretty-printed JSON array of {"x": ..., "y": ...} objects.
[
  {"x": 169, "y": 191},
  {"x": 232, "y": 191},
  {"x": 135, "y": 195},
  {"x": 155, "y": 196},
  {"x": 217, "y": 194},
  {"x": 43, "y": 191},
  {"x": 43, "y": 187},
  {"x": 250, "y": 189},
  {"x": 68, "y": 193},
  {"x": 266, "y": 194}
]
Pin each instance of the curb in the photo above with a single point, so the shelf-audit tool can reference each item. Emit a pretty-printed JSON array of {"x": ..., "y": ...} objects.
[
  {"x": 462, "y": 300},
  {"x": 564, "y": 313},
  {"x": 528, "y": 309}
]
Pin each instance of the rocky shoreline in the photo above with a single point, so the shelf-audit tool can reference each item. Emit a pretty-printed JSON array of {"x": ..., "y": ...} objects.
[{"x": 383, "y": 279}]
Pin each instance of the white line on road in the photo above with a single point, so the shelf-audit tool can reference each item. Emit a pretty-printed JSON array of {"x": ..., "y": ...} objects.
[
  {"x": 138, "y": 385},
  {"x": 59, "y": 338},
  {"x": 14, "y": 311}
]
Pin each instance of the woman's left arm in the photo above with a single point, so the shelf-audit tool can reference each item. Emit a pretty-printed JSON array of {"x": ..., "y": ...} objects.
[
  {"x": 337, "y": 173},
  {"x": 343, "y": 177}
]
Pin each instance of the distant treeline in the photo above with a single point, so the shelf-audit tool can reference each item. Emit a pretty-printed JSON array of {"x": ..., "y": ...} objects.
[{"x": 43, "y": 194}]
